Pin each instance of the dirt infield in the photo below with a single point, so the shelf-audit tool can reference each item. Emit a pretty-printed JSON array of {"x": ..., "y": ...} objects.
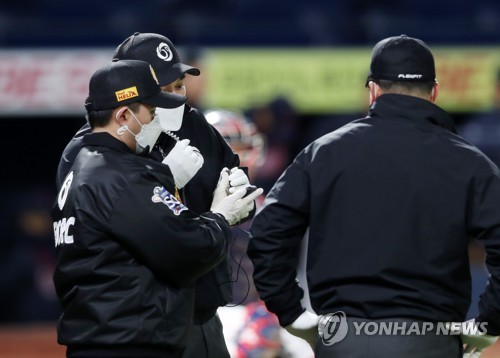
[
  {"x": 492, "y": 352},
  {"x": 30, "y": 341}
]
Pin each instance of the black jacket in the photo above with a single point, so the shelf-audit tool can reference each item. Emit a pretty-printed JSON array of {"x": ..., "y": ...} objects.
[
  {"x": 128, "y": 252},
  {"x": 213, "y": 289},
  {"x": 391, "y": 201}
]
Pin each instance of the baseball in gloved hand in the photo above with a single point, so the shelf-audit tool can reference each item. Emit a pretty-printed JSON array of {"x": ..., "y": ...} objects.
[
  {"x": 232, "y": 206},
  {"x": 237, "y": 180}
]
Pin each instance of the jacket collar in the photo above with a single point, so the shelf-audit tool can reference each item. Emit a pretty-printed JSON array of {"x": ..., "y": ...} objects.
[
  {"x": 411, "y": 108},
  {"x": 104, "y": 139}
]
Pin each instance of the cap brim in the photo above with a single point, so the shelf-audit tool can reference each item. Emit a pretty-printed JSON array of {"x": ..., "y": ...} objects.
[
  {"x": 189, "y": 69},
  {"x": 368, "y": 79},
  {"x": 175, "y": 72},
  {"x": 165, "y": 100}
]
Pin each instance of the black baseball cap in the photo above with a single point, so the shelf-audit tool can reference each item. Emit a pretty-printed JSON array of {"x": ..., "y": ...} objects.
[
  {"x": 123, "y": 82},
  {"x": 157, "y": 50},
  {"x": 402, "y": 58}
]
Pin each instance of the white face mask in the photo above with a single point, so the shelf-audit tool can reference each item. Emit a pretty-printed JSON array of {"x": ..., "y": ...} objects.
[
  {"x": 170, "y": 119},
  {"x": 147, "y": 136}
]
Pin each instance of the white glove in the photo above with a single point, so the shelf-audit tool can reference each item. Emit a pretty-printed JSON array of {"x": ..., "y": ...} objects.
[
  {"x": 232, "y": 206},
  {"x": 221, "y": 191},
  {"x": 184, "y": 162},
  {"x": 473, "y": 338},
  {"x": 237, "y": 180},
  {"x": 305, "y": 327}
]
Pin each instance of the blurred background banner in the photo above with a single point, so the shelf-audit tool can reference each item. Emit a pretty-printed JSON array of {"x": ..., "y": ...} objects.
[
  {"x": 40, "y": 82},
  {"x": 315, "y": 81},
  {"x": 468, "y": 78},
  {"x": 321, "y": 81}
]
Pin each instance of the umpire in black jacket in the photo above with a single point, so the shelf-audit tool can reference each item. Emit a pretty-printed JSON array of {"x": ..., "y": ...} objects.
[
  {"x": 390, "y": 201},
  {"x": 128, "y": 250},
  {"x": 214, "y": 288}
]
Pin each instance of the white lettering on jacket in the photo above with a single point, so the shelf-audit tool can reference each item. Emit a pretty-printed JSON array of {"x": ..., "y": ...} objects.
[
  {"x": 63, "y": 193},
  {"x": 61, "y": 231}
]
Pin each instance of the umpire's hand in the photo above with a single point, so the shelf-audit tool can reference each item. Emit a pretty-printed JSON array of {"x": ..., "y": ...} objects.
[
  {"x": 234, "y": 207},
  {"x": 305, "y": 327},
  {"x": 474, "y": 340}
]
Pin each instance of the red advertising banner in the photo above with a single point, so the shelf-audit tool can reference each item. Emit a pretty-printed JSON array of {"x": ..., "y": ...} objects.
[{"x": 47, "y": 82}]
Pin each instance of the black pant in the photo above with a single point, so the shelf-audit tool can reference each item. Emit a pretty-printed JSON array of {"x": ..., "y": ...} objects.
[
  {"x": 207, "y": 340},
  {"x": 91, "y": 351},
  {"x": 360, "y": 344}
]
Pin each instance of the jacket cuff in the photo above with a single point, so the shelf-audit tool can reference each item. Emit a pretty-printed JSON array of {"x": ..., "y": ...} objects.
[
  {"x": 288, "y": 309},
  {"x": 221, "y": 220}
]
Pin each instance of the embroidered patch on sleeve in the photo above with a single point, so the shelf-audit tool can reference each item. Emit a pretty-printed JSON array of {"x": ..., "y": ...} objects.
[{"x": 161, "y": 195}]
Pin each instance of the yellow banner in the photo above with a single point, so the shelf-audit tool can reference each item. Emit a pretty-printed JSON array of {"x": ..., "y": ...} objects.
[
  {"x": 332, "y": 80},
  {"x": 467, "y": 77}
]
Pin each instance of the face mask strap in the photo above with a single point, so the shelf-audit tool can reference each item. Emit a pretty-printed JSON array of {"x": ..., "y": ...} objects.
[
  {"x": 133, "y": 115},
  {"x": 122, "y": 111},
  {"x": 120, "y": 131},
  {"x": 124, "y": 128}
]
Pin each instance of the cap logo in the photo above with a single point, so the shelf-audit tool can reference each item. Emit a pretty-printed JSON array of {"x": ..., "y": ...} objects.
[
  {"x": 409, "y": 76},
  {"x": 126, "y": 93},
  {"x": 164, "y": 52},
  {"x": 154, "y": 74}
]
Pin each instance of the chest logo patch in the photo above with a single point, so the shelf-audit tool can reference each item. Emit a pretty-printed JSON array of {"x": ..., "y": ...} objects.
[{"x": 161, "y": 195}]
